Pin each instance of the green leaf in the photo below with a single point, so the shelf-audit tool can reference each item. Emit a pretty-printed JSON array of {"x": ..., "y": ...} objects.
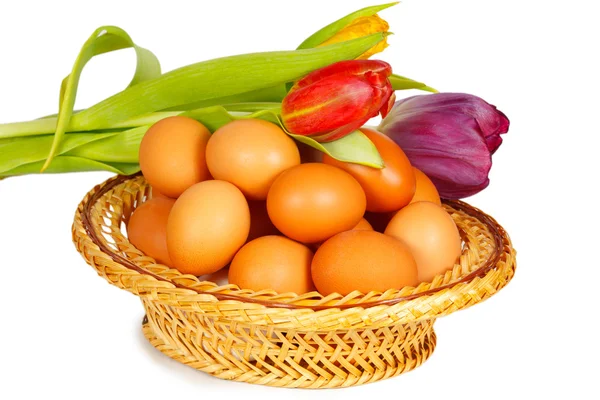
[
  {"x": 254, "y": 107},
  {"x": 402, "y": 83},
  {"x": 103, "y": 40},
  {"x": 355, "y": 148},
  {"x": 28, "y": 128},
  {"x": 123, "y": 147},
  {"x": 330, "y": 30},
  {"x": 211, "y": 117},
  {"x": 269, "y": 94},
  {"x": 112, "y": 38},
  {"x": 18, "y": 151},
  {"x": 63, "y": 164},
  {"x": 110, "y": 147},
  {"x": 216, "y": 78}
]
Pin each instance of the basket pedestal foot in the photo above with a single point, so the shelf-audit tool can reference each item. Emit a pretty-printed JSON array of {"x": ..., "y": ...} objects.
[{"x": 267, "y": 356}]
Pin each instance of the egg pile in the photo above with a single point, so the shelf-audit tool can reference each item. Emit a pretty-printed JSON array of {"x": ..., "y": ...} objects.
[{"x": 282, "y": 216}]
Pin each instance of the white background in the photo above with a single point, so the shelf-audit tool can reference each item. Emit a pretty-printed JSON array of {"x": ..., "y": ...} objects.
[{"x": 66, "y": 333}]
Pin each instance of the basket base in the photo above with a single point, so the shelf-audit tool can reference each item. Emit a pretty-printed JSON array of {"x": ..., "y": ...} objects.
[{"x": 293, "y": 359}]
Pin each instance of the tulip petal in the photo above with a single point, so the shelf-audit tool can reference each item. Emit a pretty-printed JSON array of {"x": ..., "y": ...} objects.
[
  {"x": 346, "y": 68},
  {"x": 491, "y": 121},
  {"x": 360, "y": 27},
  {"x": 385, "y": 110},
  {"x": 326, "y": 105},
  {"x": 450, "y": 137},
  {"x": 447, "y": 147}
]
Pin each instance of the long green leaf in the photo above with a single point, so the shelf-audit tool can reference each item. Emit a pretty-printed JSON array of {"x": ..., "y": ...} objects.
[
  {"x": 269, "y": 94},
  {"x": 28, "y": 128},
  {"x": 212, "y": 117},
  {"x": 254, "y": 107},
  {"x": 18, "y": 151},
  {"x": 63, "y": 164},
  {"x": 46, "y": 125},
  {"x": 110, "y": 147},
  {"x": 217, "y": 78},
  {"x": 330, "y": 30},
  {"x": 123, "y": 147},
  {"x": 103, "y": 40}
]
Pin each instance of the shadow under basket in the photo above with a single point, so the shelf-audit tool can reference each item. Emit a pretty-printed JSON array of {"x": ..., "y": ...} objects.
[{"x": 286, "y": 340}]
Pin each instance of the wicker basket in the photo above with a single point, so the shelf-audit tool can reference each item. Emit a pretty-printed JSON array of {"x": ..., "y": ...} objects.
[{"x": 286, "y": 340}]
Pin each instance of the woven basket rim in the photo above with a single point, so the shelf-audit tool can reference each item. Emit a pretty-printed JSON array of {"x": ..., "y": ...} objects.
[{"x": 495, "y": 230}]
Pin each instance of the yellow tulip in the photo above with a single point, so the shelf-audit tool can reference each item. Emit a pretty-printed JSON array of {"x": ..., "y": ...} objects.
[{"x": 360, "y": 27}]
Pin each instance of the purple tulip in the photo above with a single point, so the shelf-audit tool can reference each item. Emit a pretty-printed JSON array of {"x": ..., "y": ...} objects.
[{"x": 450, "y": 137}]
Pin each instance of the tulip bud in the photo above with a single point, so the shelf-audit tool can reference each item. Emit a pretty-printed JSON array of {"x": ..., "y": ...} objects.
[
  {"x": 360, "y": 27},
  {"x": 450, "y": 137},
  {"x": 331, "y": 102}
]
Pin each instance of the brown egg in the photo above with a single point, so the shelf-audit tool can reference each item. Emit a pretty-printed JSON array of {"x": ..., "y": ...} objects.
[
  {"x": 426, "y": 190},
  {"x": 172, "y": 155},
  {"x": 387, "y": 189},
  {"x": 363, "y": 261},
  {"x": 250, "y": 153},
  {"x": 208, "y": 224},
  {"x": 273, "y": 262},
  {"x": 147, "y": 228},
  {"x": 260, "y": 223},
  {"x": 431, "y": 234},
  {"x": 312, "y": 202}
]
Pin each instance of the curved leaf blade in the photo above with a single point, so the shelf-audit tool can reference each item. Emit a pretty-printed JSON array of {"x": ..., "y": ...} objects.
[{"x": 103, "y": 40}]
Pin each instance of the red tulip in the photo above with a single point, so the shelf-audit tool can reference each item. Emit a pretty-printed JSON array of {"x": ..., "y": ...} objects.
[{"x": 331, "y": 102}]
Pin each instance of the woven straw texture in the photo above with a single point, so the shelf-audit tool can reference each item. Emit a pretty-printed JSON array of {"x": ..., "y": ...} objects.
[{"x": 282, "y": 339}]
